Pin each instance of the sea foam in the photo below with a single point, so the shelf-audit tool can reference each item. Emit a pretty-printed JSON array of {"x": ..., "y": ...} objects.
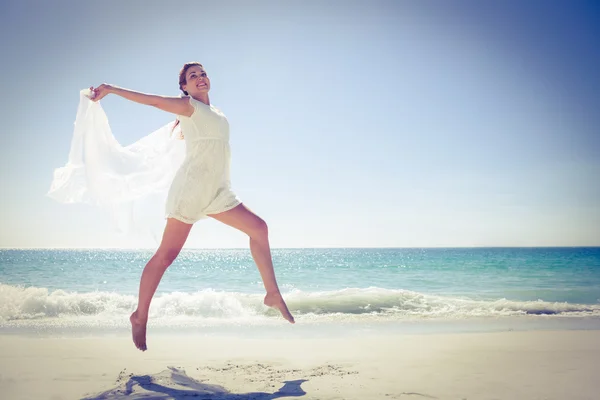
[{"x": 355, "y": 304}]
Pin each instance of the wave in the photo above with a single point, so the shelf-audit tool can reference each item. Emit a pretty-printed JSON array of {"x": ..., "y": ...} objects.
[{"x": 32, "y": 303}]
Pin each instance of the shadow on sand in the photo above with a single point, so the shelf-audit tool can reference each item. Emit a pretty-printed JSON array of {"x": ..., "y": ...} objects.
[{"x": 175, "y": 384}]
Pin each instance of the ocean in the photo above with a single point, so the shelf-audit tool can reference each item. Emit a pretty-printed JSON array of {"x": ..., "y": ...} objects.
[{"x": 42, "y": 290}]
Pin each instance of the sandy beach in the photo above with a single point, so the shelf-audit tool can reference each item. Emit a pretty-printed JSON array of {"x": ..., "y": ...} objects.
[{"x": 508, "y": 365}]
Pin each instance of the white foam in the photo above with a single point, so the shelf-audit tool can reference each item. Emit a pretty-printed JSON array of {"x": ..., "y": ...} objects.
[{"x": 215, "y": 307}]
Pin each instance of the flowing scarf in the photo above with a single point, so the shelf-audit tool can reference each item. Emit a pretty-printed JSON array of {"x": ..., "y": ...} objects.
[{"x": 118, "y": 179}]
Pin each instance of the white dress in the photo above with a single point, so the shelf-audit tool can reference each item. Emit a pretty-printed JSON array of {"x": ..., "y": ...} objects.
[{"x": 202, "y": 184}]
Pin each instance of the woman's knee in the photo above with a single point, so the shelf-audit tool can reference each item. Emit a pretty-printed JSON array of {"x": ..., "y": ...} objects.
[
  {"x": 165, "y": 257},
  {"x": 258, "y": 229}
]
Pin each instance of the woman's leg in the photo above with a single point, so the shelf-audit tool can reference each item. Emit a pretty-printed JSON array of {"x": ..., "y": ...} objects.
[
  {"x": 251, "y": 224},
  {"x": 174, "y": 237}
]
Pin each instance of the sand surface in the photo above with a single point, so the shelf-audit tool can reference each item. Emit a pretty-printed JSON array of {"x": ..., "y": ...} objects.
[{"x": 529, "y": 365}]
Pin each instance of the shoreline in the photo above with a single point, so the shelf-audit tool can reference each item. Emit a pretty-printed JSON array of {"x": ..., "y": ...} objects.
[{"x": 274, "y": 327}]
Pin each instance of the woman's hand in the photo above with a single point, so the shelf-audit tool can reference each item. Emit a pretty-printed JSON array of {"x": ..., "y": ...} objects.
[{"x": 100, "y": 91}]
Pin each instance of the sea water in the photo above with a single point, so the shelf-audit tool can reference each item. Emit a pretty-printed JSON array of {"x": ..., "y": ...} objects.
[{"x": 97, "y": 288}]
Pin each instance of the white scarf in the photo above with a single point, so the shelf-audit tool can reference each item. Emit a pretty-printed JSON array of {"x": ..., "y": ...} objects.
[{"x": 118, "y": 179}]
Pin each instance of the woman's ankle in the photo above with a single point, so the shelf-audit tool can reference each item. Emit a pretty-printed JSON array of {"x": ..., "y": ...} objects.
[{"x": 140, "y": 317}]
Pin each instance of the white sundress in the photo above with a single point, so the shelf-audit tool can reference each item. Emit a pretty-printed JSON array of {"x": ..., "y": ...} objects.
[{"x": 202, "y": 184}]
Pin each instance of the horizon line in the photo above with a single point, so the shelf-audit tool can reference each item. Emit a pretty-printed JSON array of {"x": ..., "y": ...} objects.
[{"x": 314, "y": 247}]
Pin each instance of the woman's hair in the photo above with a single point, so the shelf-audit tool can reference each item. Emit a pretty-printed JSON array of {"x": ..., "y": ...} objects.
[{"x": 182, "y": 81}]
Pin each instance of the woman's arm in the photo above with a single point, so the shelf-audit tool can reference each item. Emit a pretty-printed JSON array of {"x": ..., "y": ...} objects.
[{"x": 175, "y": 105}]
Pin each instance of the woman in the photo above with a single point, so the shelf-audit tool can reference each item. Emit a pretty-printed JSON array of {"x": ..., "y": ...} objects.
[{"x": 200, "y": 188}]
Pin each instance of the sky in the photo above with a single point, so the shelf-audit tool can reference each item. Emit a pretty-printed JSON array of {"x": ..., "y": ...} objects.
[{"x": 353, "y": 123}]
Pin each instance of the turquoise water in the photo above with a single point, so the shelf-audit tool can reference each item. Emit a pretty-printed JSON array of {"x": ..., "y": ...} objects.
[{"x": 211, "y": 287}]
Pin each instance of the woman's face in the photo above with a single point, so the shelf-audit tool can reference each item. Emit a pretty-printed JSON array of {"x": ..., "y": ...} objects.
[{"x": 196, "y": 81}]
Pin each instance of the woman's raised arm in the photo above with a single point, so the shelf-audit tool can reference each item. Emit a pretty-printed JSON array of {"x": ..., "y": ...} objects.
[{"x": 175, "y": 105}]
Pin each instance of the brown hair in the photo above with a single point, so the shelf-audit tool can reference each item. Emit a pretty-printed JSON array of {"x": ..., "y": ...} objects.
[{"x": 182, "y": 81}]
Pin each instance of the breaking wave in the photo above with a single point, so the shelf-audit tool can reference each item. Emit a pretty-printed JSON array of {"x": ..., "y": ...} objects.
[{"x": 34, "y": 303}]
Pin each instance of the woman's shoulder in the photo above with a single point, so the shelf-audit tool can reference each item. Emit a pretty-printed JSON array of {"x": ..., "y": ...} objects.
[
  {"x": 210, "y": 108},
  {"x": 197, "y": 105}
]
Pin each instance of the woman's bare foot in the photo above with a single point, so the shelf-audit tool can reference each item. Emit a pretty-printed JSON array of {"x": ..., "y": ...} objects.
[
  {"x": 138, "y": 331},
  {"x": 275, "y": 300}
]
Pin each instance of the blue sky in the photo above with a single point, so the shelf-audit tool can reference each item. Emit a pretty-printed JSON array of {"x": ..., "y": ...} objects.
[{"x": 353, "y": 123}]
